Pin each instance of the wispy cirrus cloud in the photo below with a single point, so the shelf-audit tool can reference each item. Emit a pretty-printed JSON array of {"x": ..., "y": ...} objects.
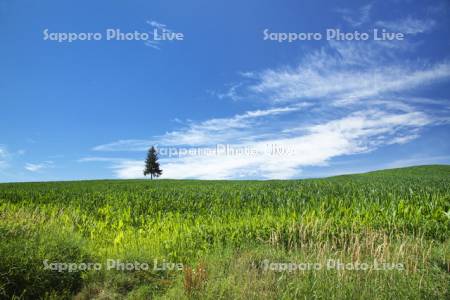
[
  {"x": 209, "y": 132},
  {"x": 4, "y": 154},
  {"x": 36, "y": 167},
  {"x": 359, "y": 132},
  {"x": 123, "y": 168},
  {"x": 345, "y": 71},
  {"x": 408, "y": 25},
  {"x": 358, "y": 17},
  {"x": 230, "y": 93},
  {"x": 157, "y": 28},
  {"x": 99, "y": 159}
]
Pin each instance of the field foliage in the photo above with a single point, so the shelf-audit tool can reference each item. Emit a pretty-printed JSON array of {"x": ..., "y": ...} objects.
[{"x": 221, "y": 231}]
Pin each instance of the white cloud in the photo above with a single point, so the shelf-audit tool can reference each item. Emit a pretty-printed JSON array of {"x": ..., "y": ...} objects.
[
  {"x": 359, "y": 132},
  {"x": 222, "y": 130},
  {"x": 209, "y": 132},
  {"x": 314, "y": 145},
  {"x": 123, "y": 168},
  {"x": 156, "y": 24},
  {"x": 32, "y": 167},
  {"x": 347, "y": 71},
  {"x": 7, "y": 157},
  {"x": 358, "y": 17},
  {"x": 3, "y": 157},
  {"x": 408, "y": 25},
  {"x": 128, "y": 169},
  {"x": 99, "y": 159},
  {"x": 353, "y": 72},
  {"x": 125, "y": 145},
  {"x": 158, "y": 27},
  {"x": 230, "y": 93}
]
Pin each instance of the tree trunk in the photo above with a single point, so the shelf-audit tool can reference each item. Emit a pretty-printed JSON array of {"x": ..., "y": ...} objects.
[{"x": 151, "y": 176}]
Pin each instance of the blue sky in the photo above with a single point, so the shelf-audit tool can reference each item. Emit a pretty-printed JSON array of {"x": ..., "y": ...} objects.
[{"x": 217, "y": 102}]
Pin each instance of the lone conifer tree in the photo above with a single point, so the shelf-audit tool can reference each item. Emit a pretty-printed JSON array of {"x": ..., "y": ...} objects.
[{"x": 152, "y": 164}]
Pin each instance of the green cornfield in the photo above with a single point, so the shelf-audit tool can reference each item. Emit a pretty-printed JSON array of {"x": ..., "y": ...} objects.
[{"x": 223, "y": 233}]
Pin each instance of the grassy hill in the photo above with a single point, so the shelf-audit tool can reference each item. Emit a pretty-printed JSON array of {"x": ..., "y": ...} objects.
[
  {"x": 233, "y": 238},
  {"x": 424, "y": 170}
]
